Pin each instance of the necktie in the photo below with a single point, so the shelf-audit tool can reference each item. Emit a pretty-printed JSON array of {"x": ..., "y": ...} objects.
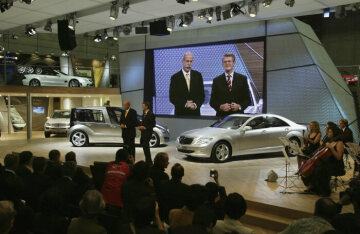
[
  {"x": 126, "y": 112},
  {"x": 188, "y": 81},
  {"x": 229, "y": 82}
]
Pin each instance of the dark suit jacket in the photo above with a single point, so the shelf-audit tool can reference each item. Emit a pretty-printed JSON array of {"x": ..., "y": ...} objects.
[
  {"x": 179, "y": 93},
  {"x": 53, "y": 169},
  {"x": 35, "y": 185},
  {"x": 23, "y": 171},
  {"x": 11, "y": 185},
  {"x": 239, "y": 94},
  {"x": 131, "y": 122},
  {"x": 148, "y": 121},
  {"x": 347, "y": 135}
]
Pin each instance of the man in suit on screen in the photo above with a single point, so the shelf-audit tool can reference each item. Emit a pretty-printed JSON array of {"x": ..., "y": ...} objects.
[
  {"x": 128, "y": 123},
  {"x": 146, "y": 128},
  {"x": 230, "y": 91},
  {"x": 187, "y": 89}
]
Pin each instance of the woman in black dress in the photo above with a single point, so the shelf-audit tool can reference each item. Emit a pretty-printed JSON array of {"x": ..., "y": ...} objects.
[{"x": 311, "y": 141}]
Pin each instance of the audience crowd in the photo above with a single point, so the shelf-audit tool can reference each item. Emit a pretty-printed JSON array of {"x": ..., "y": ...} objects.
[{"x": 48, "y": 196}]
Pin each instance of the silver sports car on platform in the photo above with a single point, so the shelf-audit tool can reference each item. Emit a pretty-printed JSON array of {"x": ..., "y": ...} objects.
[
  {"x": 58, "y": 78},
  {"x": 240, "y": 134}
]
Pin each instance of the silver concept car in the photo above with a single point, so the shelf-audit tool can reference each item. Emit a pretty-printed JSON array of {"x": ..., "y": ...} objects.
[
  {"x": 101, "y": 125},
  {"x": 58, "y": 78},
  {"x": 58, "y": 122},
  {"x": 240, "y": 134}
]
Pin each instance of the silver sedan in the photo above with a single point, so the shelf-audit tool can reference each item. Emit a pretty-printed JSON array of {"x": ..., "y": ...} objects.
[{"x": 240, "y": 134}]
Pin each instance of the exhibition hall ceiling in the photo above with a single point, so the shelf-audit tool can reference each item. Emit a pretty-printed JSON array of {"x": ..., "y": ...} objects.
[{"x": 93, "y": 15}]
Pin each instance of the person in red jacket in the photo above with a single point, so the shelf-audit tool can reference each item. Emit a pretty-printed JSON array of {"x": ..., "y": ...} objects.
[{"x": 116, "y": 174}]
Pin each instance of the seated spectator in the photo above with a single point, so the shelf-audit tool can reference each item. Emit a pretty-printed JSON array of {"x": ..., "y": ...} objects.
[
  {"x": 157, "y": 174},
  {"x": 36, "y": 183},
  {"x": 135, "y": 188},
  {"x": 24, "y": 169},
  {"x": 50, "y": 219},
  {"x": 325, "y": 210},
  {"x": 195, "y": 198},
  {"x": 216, "y": 199},
  {"x": 80, "y": 177},
  {"x": 172, "y": 193},
  {"x": 91, "y": 205},
  {"x": 7, "y": 216},
  {"x": 53, "y": 168},
  {"x": 116, "y": 174},
  {"x": 235, "y": 207},
  {"x": 203, "y": 223},
  {"x": 69, "y": 190},
  {"x": 10, "y": 183},
  {"x": 146, "y": 211}
]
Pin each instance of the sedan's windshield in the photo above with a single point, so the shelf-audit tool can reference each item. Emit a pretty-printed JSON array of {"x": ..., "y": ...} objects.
[
  {"x": 61, "y": 114},
  {"x": 230, "y": 122}
]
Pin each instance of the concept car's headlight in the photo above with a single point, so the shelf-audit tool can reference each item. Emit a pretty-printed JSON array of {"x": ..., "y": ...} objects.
[{"x": 203, "y": 141}]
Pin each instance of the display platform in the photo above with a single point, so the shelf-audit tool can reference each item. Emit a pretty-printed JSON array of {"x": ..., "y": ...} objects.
[{"x": 245, "y": 175}]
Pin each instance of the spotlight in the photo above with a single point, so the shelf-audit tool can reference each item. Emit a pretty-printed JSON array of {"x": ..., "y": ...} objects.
[
  {"x": 127, "y": 29},
  {"x": 289, "y": 3},
  {"x": 209, "y": 14},
  {"x": 113, "y": 57},
  {"x": 5, "y": 5},
  {"x": 114, "y": 10},
  {"x": 30, "y": 30},
  {"x": 97, "y": 37},
  {"x": 266, "y": 3},
  {"x": 72, "y": 21},
  {"x": 14, "y": 36},
  {"x": 170, "y": 23},
  {"x": 218, "y": 13},
  {"x": 201, "y": 14},
  {"x": 48, "y": 25},
  {"x": 326, "y": 13},
  {"x": 125, "y": 7},
  {"x": 236, "y": 9},
  {"x": 182, "y": 1},
  {"x": 28, "y": 1},
  {"x": 253, "y": 9},
  {"x": 116, "y": 33},
  {"x": 106, "y": 36},
  {"x": 186, "y": 19}
]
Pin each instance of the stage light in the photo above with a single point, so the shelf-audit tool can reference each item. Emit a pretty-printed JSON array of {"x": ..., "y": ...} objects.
[
  {"x": 125, "y": 7},
  {"x": 186, "y": 19},
  {"x": 235, "y": 9},
  {"x": 201, "y": 14},
  {"x": 106, "y": 36},
  {"x": 289, "y": 3},
  {"x": 127, "y": 29},
  {"x": 218, "y": 13},
  {"x": 30, "y": 30},
  {"x": 97, "y": 37},
  {"x": 28, "y": 1},
  {"x": 209, "y": 14},
  {"x": 253, "y": 9},
  {"x": 182, "y": 1},
  {"x": 72, "y": 21},
  {"x": 170, "y": 23},
  {"x": 114, "y": 10},
  {"x": 116, "y": 33},
  {"x": 14, "y": 36},
  {"x": 47, "y": 26},
  {"x": 113, "y": 57},
  {"x": 326, "y": 13},
  {"x": 267, "y": 3},
  {"x": 6, "y": 5}
]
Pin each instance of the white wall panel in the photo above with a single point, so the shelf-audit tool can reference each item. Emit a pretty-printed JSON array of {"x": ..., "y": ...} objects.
[
  {"x": 280, "y": 26},
  {"x": 132, "y": 70},
  {"x": 136, "y": 98}
]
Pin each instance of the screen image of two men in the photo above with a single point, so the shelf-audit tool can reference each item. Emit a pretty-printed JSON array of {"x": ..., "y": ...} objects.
[{"x": 229, "y": 94}]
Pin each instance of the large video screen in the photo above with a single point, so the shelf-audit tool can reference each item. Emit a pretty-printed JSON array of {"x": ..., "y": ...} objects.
[{"x": 175, "y": 93}]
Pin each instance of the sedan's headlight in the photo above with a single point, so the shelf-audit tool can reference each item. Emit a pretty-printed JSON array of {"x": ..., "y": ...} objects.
[
  {"x": 47, "y": 124},
  {"x": 203, "y": 141}
]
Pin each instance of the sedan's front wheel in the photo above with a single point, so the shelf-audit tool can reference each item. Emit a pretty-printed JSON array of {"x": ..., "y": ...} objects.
[
  {"x": 34, "y": 82},
  {"x": 74, "y": 83},
  {"x": 221, "y": 152},
  {"x": 79, "y": 139}
]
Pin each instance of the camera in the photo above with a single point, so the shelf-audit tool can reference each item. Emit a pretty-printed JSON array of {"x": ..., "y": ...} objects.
[{"x": 212, "y": 173}]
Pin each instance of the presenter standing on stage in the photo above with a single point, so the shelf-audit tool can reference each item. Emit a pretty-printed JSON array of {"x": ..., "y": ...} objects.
[
  {"x": 146, "y": 128},
  {"x": 128, "y": 123},
  {"x": 187, "y": 89},
  {"x": 230, "y": 91}
]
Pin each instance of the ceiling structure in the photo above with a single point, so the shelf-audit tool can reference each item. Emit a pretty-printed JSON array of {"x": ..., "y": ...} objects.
[{"x": 93, "y": 15}]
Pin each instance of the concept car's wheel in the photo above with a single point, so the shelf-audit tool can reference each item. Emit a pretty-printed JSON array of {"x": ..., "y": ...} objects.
[
  {"x": 34, "y": 82},
  {"x": 38, "y": 70},
  {"x": 155, "y": 140},
  {"x": 290, "y": 152},
  {"x": 74, "y": 83},
  {"x": 221, "y": 152},
  {"x": 47, "y": 134},
  {"x": 79, "y": 139}
]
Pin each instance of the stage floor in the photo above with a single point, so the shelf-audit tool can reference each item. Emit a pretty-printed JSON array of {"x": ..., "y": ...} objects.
[{"x": 245, "y": 175}]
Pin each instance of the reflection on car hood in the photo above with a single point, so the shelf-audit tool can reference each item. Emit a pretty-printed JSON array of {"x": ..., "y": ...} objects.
[
  {"x": 206, "y": 132},
  {"x": 60, "y": 120}
]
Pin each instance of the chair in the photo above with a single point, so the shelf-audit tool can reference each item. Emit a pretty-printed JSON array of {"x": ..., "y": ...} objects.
[
  {"x": 98, "y": 173},
  {"x": 339, "y": 180}
]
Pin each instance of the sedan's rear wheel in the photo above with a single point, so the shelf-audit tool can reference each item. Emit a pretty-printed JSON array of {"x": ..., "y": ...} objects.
[
  {"x": 221, "y": 152},
  {"x": 74, "y": 83},
  {"x": 79, "y": 139},
  {"x": 155, "y": 140},
  {"x": 290, "y": 152},
  {"x": 34, "y": 82}
]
